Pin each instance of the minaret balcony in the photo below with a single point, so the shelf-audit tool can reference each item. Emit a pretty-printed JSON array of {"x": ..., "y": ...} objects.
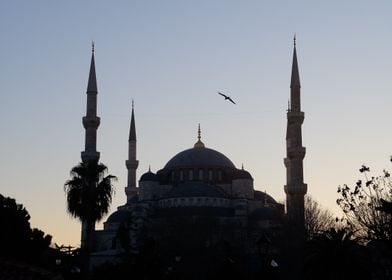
[
  {"x": 132, "y": 164},
  {"x": 296, "y": 152},
  {"x": 91, "y": 122},
  {"x": 90, "y": 156},
  {"x": 296, "y": 189},
  {"x": 295, "y": 117}
]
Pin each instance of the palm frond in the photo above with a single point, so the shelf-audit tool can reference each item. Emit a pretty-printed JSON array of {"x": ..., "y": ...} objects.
[{"x": 89, "y": 192}]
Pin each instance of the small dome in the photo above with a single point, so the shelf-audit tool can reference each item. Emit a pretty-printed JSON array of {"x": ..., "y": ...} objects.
[
  {"x": 199, "y": 156},
  {"x": 120, "y": 216},
  {"x": 195, "y": 189},
  {"x": 242, "y": 174},
  {"x": 264, "y": 197},
  {"x": 149, "y": 176}
]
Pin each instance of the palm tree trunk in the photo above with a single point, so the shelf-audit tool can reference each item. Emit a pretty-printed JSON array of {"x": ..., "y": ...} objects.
[
  {"x": 88, "y": 246},
  {"x": 83, "y": 234}
]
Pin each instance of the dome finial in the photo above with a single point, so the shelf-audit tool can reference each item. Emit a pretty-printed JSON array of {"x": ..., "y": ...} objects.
[
  {"x": 149, "y": 168},
  {"x": 199, "y": 144},
  {"x": 92, "y": 47}
]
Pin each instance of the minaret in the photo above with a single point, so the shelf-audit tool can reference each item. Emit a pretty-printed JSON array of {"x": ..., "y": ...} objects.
[
  {"x": 131, "y": 163},
  {"x": 91, "y": 121},
  {"x": 295, "y": 188}
]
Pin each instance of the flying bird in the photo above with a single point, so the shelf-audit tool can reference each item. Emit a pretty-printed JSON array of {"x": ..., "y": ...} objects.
[{"x": 226, "y": 97}]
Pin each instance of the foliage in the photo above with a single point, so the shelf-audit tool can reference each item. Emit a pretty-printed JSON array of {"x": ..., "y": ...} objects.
[
  {"x": 362, "y": 205},
  {"x": 368, "y": 210},
  {"x": 39, "y": 241},
  {"x": 386, "y": 206},
  {"x": 89, "y": 191},
  {"x": 336, "y": 254},
  {"x": 15, "y": 226},
  {"x": 317, "y": 219},
  {"x": 89, "y": 195},
  {"x": 17, "y": 238}
]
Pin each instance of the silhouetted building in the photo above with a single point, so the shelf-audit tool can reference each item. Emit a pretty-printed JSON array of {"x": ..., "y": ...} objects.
[{"x": 200, "y": 208}]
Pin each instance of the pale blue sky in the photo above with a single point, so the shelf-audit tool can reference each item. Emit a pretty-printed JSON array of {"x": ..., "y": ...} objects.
[{"x": 171, "y": 57}]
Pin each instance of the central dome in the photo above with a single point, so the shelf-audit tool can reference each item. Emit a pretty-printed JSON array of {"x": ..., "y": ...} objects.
[{"x": 199, "y": 156}]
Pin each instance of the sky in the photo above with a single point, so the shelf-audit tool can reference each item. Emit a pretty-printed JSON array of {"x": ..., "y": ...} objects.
[{"x": 171, "y": 57}]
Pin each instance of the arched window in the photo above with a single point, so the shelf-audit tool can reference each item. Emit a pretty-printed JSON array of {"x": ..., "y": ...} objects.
[
  {"x": 210, "y": 175},
  {"x": 191, "y": 174},
  {"x": 172, "y": 175},
  {"x": 200, "y": 174},
  {"x": 181, "y": 175}
]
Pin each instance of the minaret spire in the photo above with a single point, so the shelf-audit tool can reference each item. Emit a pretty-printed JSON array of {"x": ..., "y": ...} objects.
[
  {"x": 199, "y": 144},
  {"x": 132, "y": 163},
  {"x": 91, "y": 121},
  {"x": 132, "y": 130},
  {"x": 92, "y": 80},
  {"x": 295, "y": 84},
  {"x": 295, "y": 187}
]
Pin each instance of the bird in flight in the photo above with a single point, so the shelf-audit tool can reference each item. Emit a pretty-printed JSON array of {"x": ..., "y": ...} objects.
[{"x": 226, "y": 97}]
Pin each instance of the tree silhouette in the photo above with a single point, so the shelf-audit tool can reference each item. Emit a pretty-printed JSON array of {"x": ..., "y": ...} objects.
[
  {"x": 317, "y": 219},
  {"x": 363, "y": 206},
  {"x": 15, "y": 226},
  {"x": 17, "y": 239},
  {"x": 368, "y": 211},
  {"x": 386, "y": 206},
  {"x": 336, "y": 255},
  {"x": 89, "y": 194}
]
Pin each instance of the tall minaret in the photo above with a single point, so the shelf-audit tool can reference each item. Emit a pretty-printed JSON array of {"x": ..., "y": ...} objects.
[
  {"x": 131, "y": 163},
  {"x": 91, "y": 121},
  {"x": 295, "y": 188}
]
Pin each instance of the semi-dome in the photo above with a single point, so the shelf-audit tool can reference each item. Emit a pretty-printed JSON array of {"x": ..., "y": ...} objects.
[
  {"x": 199, "y": 156},
  {"x": 259, "y": 195},
  {"x": 120, "y": 216}
]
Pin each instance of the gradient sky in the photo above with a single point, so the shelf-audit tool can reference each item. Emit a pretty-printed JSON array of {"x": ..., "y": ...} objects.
[{"x": 171, "y": 57}]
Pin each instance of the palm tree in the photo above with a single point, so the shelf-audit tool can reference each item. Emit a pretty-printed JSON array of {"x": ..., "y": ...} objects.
[{"x": 89, "y": 194}]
